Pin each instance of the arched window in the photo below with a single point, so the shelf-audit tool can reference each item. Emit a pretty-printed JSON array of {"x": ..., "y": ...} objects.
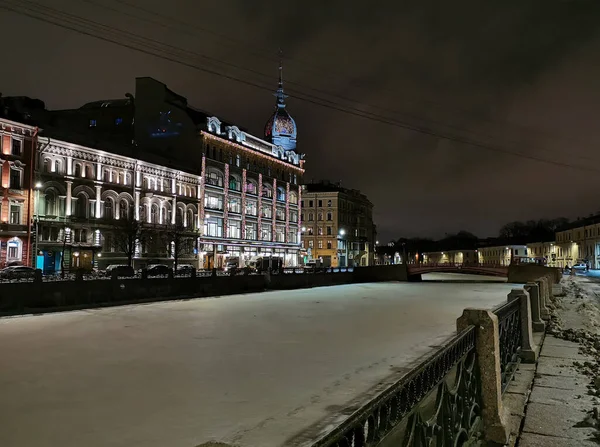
[
  {"x": 108, "y": 208},
  {"x": 179, "y": 216},
  {"x": 124, "y": 210},
  {"x": 280, "y": 194},
  {"x": 145, "y": 183},
  {"x": 234, "y": 184},
  {"x": 154, "y": 214},
  {"x": 50, "y": 203},
  {"x": 89, "y": 171},
  {"x": 81, "y": 207},
  {"x": 293, "y": 198},
  {"x": 215, "y": 178},
  {"x": 190, "y": 219},
  {"x": 47, "y": 165},
  {"x": 106, "y": 175},
  {"x": 143, "y": 213},
  {"x": 77, "y": 170}
]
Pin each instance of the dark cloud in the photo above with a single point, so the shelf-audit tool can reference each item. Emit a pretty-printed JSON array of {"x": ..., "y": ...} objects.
[{"x": 515, "y": 75}]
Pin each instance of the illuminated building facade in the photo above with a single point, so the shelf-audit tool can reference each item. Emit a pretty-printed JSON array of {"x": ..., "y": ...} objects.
[
  {"x": 17, "y": 142},
  {"x": 337, "y": 226},
  {"x": 180, "y": 173}
]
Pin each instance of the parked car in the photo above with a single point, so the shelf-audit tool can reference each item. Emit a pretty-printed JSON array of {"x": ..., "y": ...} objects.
[
  {"x": 158, "y": 270},
  {"x": 17, "y": 271},
  {"x": 580, "y": 266},
  {"x": 185, "y": 268},
  {"x": 120, "y": 269}
]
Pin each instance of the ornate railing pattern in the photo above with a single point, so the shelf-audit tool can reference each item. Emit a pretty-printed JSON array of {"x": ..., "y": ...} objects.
[
  {"x": 509, "y": 328},
  {"x": 407, "y": 414}
]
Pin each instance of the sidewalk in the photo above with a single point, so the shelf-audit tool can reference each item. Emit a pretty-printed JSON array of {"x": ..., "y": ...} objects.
[
  {"x": 562, "y": 408},
  {"x": 557, "y": 410}
]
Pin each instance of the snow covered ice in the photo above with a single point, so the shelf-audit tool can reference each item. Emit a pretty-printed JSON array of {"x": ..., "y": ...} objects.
[{"x": 250, "y": 370}]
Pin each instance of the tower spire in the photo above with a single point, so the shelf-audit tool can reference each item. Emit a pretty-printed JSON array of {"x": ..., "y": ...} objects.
[{"x": 280, "y": 95}]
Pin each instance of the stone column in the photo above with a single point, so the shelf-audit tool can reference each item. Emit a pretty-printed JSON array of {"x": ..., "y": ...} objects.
[
  {"x": 69, "y": 165},
  {"x": 536, "y": 317},
  {"x": 174, "y": 213},
  {"x": 487, "y": 347},
  {"x": 529, "y": 350},
  {"x": 136, "y": 212},
  {"x": 99, "y": 171},
  {"x": 544, "y": 297},
  {"x": 68, "y": 200},
  {"x": 138, "y": 178},
  {"x": 99, "y": 201}
]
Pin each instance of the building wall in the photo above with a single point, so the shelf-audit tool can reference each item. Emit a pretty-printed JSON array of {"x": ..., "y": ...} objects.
[
  {"x": 451, "y": 257},
  {"x": 338, "y": 223},
  {"x": 547, "y": 252},
  {"x": 501, "y": 255},
  {"x": 16, "y": 144}
]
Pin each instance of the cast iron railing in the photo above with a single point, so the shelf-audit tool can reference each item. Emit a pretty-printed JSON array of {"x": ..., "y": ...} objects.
[
  {"x": 437, "y": 403},
  {"x": 509, "y": 328}
]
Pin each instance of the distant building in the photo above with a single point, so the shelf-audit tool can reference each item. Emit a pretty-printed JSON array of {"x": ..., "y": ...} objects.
[
  {"x": 451, "y": 257},
  {"x": 337, "y": 226},
  {"x": 579, "y": 241},
  {"x": 545, "y": 253},
  {"x": 501, "y": 255},
  {"x": 153, "y": 159}
]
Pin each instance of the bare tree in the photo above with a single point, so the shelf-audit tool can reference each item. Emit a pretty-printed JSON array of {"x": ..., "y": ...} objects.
[
  {"x": 127, "y": 235},
  {"x": 180, "y": 241}
]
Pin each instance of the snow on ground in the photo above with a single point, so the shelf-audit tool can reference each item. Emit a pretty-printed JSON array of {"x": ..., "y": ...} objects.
[{"x": 250, "y": 370}]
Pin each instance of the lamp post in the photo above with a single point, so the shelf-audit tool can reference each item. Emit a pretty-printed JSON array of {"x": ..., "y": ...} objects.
[
  {"x": 341, "y": 236},
  {"x": 38, "y": 186}
]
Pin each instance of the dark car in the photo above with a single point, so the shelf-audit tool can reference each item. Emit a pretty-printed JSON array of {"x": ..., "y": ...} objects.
[
  {"x": 120, "y": 270},
  {"x": 17, "y": 271},
  {"x": 158, "y": 270},
  {"x": 185, "y": 268}
]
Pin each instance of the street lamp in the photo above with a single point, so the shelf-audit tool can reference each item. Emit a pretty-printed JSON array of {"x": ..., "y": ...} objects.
[
  {"x": 341, "y": 234},
  {"x": 37, "y": 186}
]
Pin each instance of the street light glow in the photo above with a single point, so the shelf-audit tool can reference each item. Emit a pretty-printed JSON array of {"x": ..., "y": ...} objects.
[
  {"x": 38, "y": 185},
  {"x": 342, "y": 232}
]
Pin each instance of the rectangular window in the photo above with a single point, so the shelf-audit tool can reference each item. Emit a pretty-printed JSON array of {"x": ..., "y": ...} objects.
[
  {"x": 311, "y": 244},
  {"x": 13, "y": 251},
  {"x": 280, "y": 213},
  {"x": 251, "y": 231},
  {"x": 329, "y": 231},
  {"x": 329, "y": 245},
  {"x": 267, "y": 212},
  {"x": 15, "y": 179},
  {"x": 214, "y": 227},
  {"x": 15, "y": 214},
  {"x": 265, "y": 232},
  {"x": 235, "y": 205},
  {"x": 234, "y": 229},
  {"x": 329, "y": 202},
  {"x": 311, "y": 217},
  {"x": 310, "y": 204},
  {"x": 320, "y": 204},
  {"x": 302, "y": 203},
  {"x": 213, "y": 202},
  {"x": 320, "y": 231},
  {"x": 251, "y": 208},
  {"x": 280, "y": 234},
  {"x": 17, "y": 147},
  {"x": 320, "y": 244}
]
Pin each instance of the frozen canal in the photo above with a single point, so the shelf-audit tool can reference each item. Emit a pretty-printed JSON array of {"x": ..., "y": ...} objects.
[{"x": 250, "y": 370}]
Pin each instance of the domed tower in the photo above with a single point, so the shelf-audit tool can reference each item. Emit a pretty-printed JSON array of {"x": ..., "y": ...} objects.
[{"x": 281, "y": 127}]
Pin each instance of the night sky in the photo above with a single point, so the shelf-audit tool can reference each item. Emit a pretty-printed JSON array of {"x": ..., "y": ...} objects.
[{"x": 513, "y": 76}]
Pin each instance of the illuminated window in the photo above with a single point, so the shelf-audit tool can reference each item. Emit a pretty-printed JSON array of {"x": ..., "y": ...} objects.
[
  {"x": 15, "y": 214},
  {"x": 119, "y": 121},
  {"x": 92, "y": 123},
  {"x": 320, "y": 244},
  {"x": 329, "y": 245}
]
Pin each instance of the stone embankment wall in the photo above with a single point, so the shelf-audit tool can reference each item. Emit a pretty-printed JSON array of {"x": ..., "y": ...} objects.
[
  {"x": 38, "y": 296},
  {"x": 524, "y": 273}
]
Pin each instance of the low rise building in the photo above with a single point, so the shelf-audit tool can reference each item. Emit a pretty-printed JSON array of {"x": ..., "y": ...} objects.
[
  {"x": 501, "y": 255},
  {"x": 545, "y": 253},
  {"x": 578, "y": 242},
  {"x": 451, "y": 257}
]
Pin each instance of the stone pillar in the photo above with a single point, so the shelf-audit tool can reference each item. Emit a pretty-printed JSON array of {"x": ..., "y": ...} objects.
[
  {"x": 69, "y": 165},
  {"x": 136, "y": 212},
  {"x": 68, "y": 200},
  {"x": 99, "y": 171},
  {"x": 138, "y": 178},
  {"x": 544, "y": 297},
  {"x": 174, "y": 213},
  {"x": 529, "y": 350},
  {"x": 487, "y": 347},
  {"x": 536, "y": 317},
  {"x": 99, "y": 201}
]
